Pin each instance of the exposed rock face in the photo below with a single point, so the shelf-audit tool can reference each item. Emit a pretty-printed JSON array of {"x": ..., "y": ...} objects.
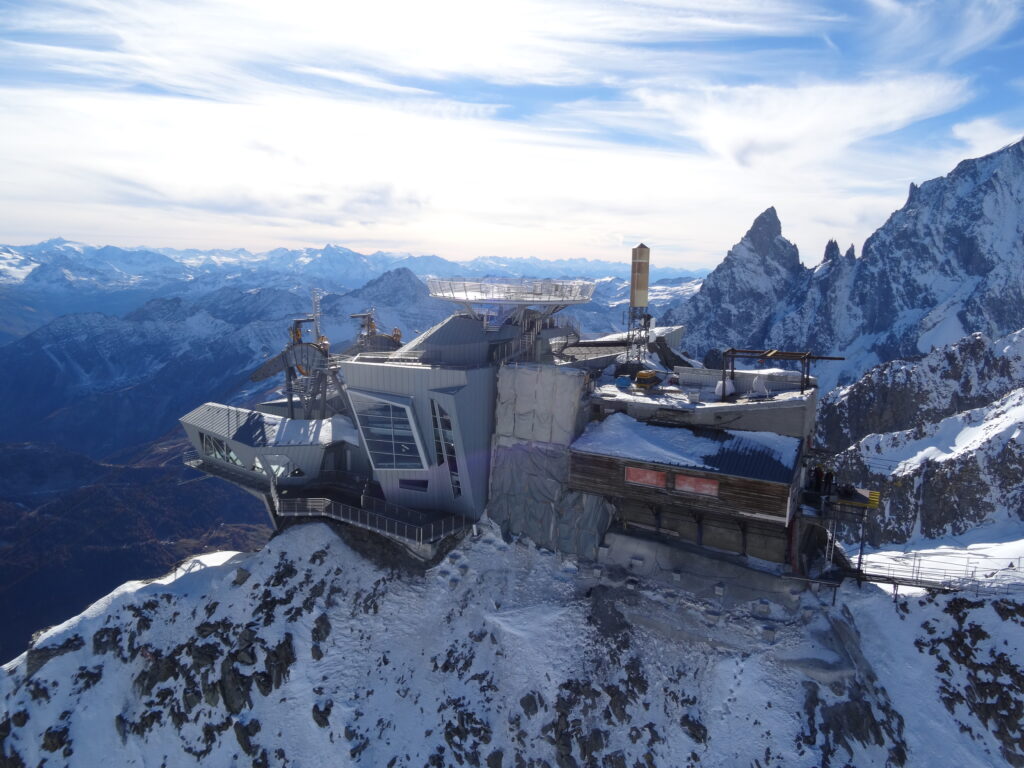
[
  {"x": 737, "y": 300},
  {"x": 497, "y": 656},
  {"x": 949, "y": 263},
  {"x": 901, "y": 395},
  {"x": 939, "y": 438}
]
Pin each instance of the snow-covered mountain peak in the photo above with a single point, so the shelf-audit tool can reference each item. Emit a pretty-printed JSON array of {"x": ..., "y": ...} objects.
[
  {"x": 763, "y": 231},
  {"x": 323, "y": 650},
  {"x": 949, "y": 263},
  {"x": 393, "y": 287},
  {"x": 736, "y": 301}
]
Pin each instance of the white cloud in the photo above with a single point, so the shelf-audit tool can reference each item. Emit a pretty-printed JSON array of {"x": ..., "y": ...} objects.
[
  {"x": 523, "y": 42},
  {"x": 424, "y": 152},
  {"x": 363, "y": 81},
  {"x": 985, "y": 135},
  {"x": 805, "y": 123},
  {"x": 945, "y": 32}
]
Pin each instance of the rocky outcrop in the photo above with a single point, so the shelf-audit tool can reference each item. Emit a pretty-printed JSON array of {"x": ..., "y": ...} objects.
[
  {"x": 941, "y": 478},
  {"x": 498, "y": 655},
  {"x": 937, "y": 438},
  {"x": 901, "y": 395}
]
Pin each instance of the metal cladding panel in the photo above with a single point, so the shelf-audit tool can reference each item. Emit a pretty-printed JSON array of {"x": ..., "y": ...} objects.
[
  {"x": 250, "y": 427},
  {"x": 474, "y": 417},
  {"x": 468, "y": 396},
  {"x": 640, "y": 276},
  {"x": 456, "y": 341}
]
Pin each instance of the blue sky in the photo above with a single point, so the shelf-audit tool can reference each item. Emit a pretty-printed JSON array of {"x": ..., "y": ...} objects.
[{"x": 550, "y": 129}]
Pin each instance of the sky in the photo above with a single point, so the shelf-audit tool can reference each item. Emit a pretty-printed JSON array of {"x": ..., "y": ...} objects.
[{"x": 555, "y": 129}]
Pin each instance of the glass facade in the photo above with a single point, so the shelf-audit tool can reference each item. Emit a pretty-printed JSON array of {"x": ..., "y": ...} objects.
[
  {"x": 218, "y": 449},
  {"x": 388, "y": 432},
  {"x": 444, "y": 445}
]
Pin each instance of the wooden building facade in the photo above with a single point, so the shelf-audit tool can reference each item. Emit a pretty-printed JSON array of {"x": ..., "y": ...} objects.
[{"x": 741, "y": 499}]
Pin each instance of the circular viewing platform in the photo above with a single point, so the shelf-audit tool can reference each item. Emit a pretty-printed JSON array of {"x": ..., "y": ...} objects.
[{"x": 513, "y": 291}]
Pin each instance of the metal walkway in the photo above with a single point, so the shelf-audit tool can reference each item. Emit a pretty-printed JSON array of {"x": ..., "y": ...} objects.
[
  {"x": 408, "y": 525},
  {"x": 953, "y": 571},
  {"x": 941, "y": 570}
]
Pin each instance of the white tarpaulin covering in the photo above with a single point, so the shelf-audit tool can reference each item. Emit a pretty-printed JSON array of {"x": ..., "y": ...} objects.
[
  {"x": 536, "y": 419},
  {"x": 529, "y": 496},
  {"x": 539, "y": 403}
]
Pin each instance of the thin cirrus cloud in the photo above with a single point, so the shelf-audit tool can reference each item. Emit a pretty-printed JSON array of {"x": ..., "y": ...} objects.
[
  {"x": 804, "y": 122},
  {"x": 532, "y": 128}
]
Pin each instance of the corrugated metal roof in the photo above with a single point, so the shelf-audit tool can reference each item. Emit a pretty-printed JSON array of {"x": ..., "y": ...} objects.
[
  {"x": 261, "y": 429},
  {"x": 247, "y": 426},
  {"x": 757, "y": 455}
]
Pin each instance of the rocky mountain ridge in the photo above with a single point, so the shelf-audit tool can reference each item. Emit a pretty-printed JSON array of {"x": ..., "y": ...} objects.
[
  {"x": 949, "y": 263},
  {"x": 309, "y": 652},
  {"x": 938, "y": 437}
]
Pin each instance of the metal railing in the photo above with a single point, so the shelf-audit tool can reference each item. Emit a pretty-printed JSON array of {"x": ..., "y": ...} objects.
[
  {"x": 415, "y": 357},
  {"x": 382, "y": 518},
  {"x": 513, "y": 290},
  {"x": 952, "y": 572},
  {"x": 222, "y": 469}
]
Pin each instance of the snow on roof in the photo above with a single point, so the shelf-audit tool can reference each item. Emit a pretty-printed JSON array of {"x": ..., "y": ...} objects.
[
  {"x": 759, "y": 455},
  {"x": 261, "y": 429}
]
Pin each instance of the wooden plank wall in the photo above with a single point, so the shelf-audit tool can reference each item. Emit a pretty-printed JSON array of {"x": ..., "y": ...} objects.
[
  {"x": 605, "y": 475},
  {"x": 764, "y": 540}
]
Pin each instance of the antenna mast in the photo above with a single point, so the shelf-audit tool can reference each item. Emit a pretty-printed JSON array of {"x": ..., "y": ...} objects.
[{"x": 639, "y": 321}]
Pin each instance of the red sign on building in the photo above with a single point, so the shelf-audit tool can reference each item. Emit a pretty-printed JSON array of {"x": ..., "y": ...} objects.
[
  {"x": 645, "y": 477},
  {"x": 701, "y": 485}
]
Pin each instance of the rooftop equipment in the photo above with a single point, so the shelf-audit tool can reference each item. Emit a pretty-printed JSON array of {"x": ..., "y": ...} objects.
[
  {"x": 730, "y": 356},
  {"x": 639, "y": 321}
]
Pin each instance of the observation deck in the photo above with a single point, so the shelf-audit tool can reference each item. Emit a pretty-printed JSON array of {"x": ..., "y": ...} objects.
[
  {"x": 498, "y": 299},
  {"x": 512, "y": 291}
]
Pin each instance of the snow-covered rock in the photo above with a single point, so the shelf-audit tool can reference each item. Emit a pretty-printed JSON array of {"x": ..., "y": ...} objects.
[
  {"x": 939, "y": 438},
  {"x": 947, "y": 264},
  {"x": 902, "y": 394},
  {"x": 737, "y": 301},
  {"x": 311, "y": 653}
]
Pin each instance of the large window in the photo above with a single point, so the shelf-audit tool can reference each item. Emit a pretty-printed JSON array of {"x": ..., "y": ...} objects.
[
  {"x": 444, "y": 445},
  {"x": 387, "y": 429},
  {"x": 218, "y": 449}
]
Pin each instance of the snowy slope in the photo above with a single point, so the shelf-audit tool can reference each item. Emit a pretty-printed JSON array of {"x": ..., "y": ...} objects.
[
  {"x": 944, "y": 477},
  {"x": 902, "y": 394},
  {"x": 309, "y": 654},
  {"x": 939, "y": 438}
]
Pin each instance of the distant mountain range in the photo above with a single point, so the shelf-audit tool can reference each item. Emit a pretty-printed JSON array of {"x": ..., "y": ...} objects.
[{"x": 43, "y": 281}]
